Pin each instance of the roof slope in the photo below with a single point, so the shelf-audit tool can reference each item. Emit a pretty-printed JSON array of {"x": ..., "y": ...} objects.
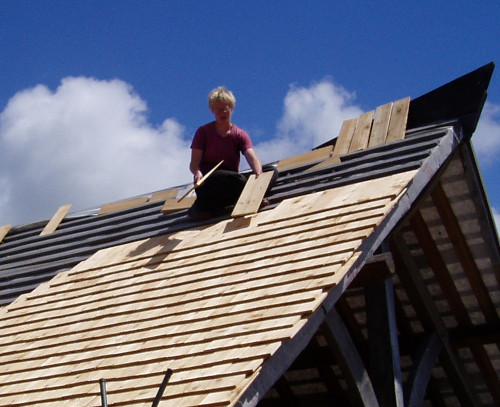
[
  {"x": 211, "y": 304},
  {"x": 289, "y": 297}
]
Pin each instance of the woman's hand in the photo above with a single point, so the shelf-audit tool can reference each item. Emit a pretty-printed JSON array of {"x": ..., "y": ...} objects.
[{"x": 197, "y": 176}]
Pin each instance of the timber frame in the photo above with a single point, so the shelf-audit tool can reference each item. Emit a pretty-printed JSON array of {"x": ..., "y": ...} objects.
[{"x": 372, "y": 279}]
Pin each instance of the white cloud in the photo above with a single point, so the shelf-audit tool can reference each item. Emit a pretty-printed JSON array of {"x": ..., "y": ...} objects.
[
  {"x": 86, "y": 143},
  {"x": 311, "y": 116},
  {"x": 486, "y": 139},
  {"x": 89, "y": 142}
]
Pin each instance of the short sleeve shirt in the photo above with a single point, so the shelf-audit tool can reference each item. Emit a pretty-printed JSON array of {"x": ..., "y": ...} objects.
[{"x": 216, "y": 147}]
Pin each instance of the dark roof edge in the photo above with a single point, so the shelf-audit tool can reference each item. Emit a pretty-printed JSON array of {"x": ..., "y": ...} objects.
[{"x": 462, "y": 99}]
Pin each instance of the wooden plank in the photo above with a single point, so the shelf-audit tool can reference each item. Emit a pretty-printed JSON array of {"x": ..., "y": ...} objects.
[
  {"x": 164, "y": 195},
  {"x": 3, "y": 231},
  {"x": 305, "y": 158},
  {"x": 201, "y": 181},
  {"x": 399, "y": 118},
  {"x": 345, "y": 137},
  {"x": 122, "y": 205},
  {"x": 172, "y": 205},
  {"x": 329, "y": 162},
  {"x": 362, "y": 132},
  {"x": 380, "y": 126},
  {"x": 56, "y": 220},
  {"x": 252, "y": 194}
]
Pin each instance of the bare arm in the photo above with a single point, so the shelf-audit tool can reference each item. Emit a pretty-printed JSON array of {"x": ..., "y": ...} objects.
[
  {"x": 253, "y": 161},
  {"x": 194, "y": 165}
]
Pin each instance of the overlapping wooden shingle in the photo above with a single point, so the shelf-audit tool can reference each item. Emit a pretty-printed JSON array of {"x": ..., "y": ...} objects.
[{"x": 212, "y": 304}]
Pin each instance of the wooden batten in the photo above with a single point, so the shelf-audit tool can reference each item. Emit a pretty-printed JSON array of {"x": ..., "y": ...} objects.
[
  {"x": 122, "y": 205},
  {"x": 56, "y": 220},
  {"x": 164, "y": 195},
  {"x": 4, "y": 230},
  {"x": 305, "y": 158}
]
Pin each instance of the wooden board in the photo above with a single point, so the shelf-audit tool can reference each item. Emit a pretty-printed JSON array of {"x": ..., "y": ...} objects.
[
  {"x": 305, "y": 158},
  {"x": 362, "y": 132},
  {"x": 122, "y": 205},
  {"x": 56, "y": 220},
  {"x": 345, "y": 137},
  {"x": 3, "y": 231},
  {"x": 380, "y": 125},
  {"x": 251, "y": 196},
  {"x": 172, "y": 205},
  {"x": 164, "y": 195},
  {"x": 329, "y": 162},
  {"x": 399, "y": 118}
]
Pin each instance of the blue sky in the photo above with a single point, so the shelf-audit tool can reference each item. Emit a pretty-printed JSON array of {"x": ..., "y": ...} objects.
[{"x": 99, "y": 99}]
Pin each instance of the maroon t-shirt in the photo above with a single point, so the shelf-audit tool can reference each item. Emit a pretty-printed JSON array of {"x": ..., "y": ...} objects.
[{"x": 216, "y": 148}]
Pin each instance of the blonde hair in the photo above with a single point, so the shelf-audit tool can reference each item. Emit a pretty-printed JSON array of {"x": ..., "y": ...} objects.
[{"x": 221, "y": 94}]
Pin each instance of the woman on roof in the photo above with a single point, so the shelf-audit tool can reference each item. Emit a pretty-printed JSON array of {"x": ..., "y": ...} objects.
[{"x": 220, "y": 140}]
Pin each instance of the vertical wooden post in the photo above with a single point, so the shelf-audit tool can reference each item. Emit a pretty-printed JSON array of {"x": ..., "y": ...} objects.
[{"x": 385, "y": 366}]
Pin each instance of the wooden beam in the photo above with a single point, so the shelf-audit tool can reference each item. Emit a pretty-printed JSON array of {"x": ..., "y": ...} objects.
[
  {"x": 56, "y": 220},
  {"x": 340, "y": 343},
  {"x": 438, "y": 266},
  {"x": 485, "y": 334},
  {"x": 385, "y": 367},
  {"x": 4, "y": 230},
  {"x": 420, "y": 374},
  {"x": 464, "y": 253},
  {"x": 378, "y": 269},
  {"x": 426, "y": 310}
]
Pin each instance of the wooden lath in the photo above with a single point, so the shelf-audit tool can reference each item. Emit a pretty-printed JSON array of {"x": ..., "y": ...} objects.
[
  {"x": 4, "y": 230},
  {"x": 384, "y": 125},
  {"x": 56, "y": 220}
]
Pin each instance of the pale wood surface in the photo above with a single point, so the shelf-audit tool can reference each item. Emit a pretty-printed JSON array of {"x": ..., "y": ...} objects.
[
  {"x": 329, "y": 162},
  {"x": 4, "y": 230},
  {"x": 362, "y": 132},
  {"x": 122, "y": 205},
  {"x": 305, "y": 158},
  {"x": 252, "y": 194},
  {"x": 345, "y": 137},
  {"x": 164, "y": 195},
  {"x": 399, "y": 118},
  {"x": 56, "y": 220},
  {"x": 211, "y": 303},
  {"x": 380, "y": 125},
  {"x": 172, "y": 205}
]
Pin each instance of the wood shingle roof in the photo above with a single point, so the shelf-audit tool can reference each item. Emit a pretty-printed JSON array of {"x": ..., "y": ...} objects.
[{"x": 371, "y": 279}]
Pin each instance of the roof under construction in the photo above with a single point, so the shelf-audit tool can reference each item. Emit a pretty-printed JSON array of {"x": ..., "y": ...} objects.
[{"x": 372, "y": 279}]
